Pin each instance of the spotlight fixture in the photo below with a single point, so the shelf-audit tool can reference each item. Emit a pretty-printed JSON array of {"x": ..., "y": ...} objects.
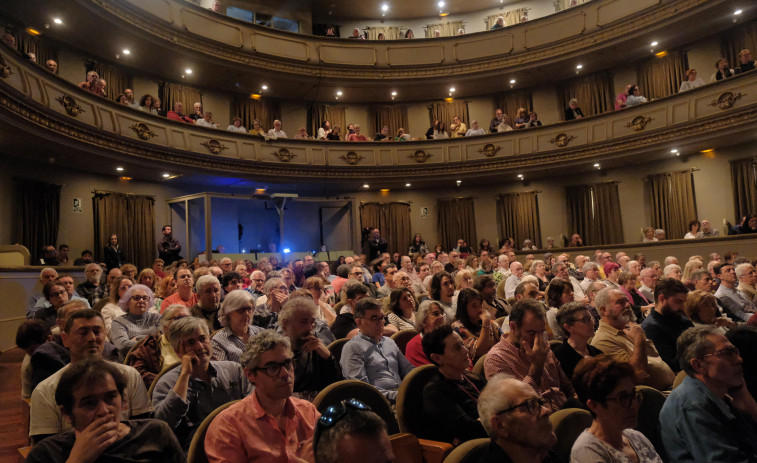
[
  {"x": 264, "y": 87},
  {"x": 441, "y": 4},
  {"x": 452, "y": 89},
  {"x": 737, "y": 12},
  {"x": 407, "y": 185},
  {"x": 579, "y": 66},
  {"x": 654, "y": 44},
  {"x": 126, "y": 51},
  {"x": 394, "y": 93},
  {"x": 674, "y": 151},
  {"x": 187, "y": 71},
  {"x": 57, "y": 21},
  {"x": 166, "y": 175},
  {"x": 338, "y": 93},
  {"x": 520, "y": 176},
  {"x": 384, "y": 7},
  {"x": 119, "y": 169},
  {"x": 366, "y": 186},
  {"x": 512, "y": 81},
  {"x": 458, "y": 182},
  {"x": 596, "y": 164}
]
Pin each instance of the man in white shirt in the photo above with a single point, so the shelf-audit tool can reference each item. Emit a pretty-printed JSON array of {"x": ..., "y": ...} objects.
[
  {"x": 207, "y": 121},
  {"x": 236, "y": 126},
  {"x": 475, "y": 131},
  {"x": 512, "y": 282},
  {"x": 276, "y": 131}
]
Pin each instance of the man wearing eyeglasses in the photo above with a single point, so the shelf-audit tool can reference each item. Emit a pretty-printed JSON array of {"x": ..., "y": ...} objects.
[
  {"x": 517, "y": 420},
  {"x": 710, "y": 417},
  {"x": 258, "y": 281},
  {"x": 269, "y": 424},
  {"x": 184, "y": 396},
  {"x": 372, "y": 357},
  {"x": 266, "y": 313}
]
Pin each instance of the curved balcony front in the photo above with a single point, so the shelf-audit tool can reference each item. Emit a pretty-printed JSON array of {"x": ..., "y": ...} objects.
[{"x": 41, "y": 109}]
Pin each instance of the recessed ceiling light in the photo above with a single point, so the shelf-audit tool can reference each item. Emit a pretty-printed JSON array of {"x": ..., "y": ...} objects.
[
  {"x": 596, "y": 164},
  {"x": 57, "y": 21},
  {"x": 674, "y": 151},
  {"x": 512, "y": 81},
  {"x": 452, "y": 89},
  {"x": 441, "y": 4},
  {"x": 407, "y": 184},
  {"x": 126, "y": 51},
  {"x": 579, "y": 66},
  {"x": 264, "y": 87},
  {"x": 338, "y": 93},
  {"x": 384, "y": 7},
  {"x": 394, "y": 93},
  {"x": 654, "y": 44},
  {"x": 166, "y": 175},
  {"x": 187, "y": 71},
  {"x": 120, "y": 169},
  {"x": 737, "y": 12},
  {"x": 520, "y": 176},
  {"x": 365, "y": 185},
  {"x": 458, "y": 182}
]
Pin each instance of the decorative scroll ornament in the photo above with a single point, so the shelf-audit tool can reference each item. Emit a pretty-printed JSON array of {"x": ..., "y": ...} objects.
[
  {"x": 143, "y": 131},
  {"x": 351, "y": 157},
  {"x": 5, "y": 70},
  {"x": 420, "y": 156},
  {"x": 727, "y": 100},
  {"x": 214, "y": 146},
  {"x": 562, "y": 140},
  {"x": 489, "y": 150},
  {"x": 638, "y": 123},
  {"x": 69, "y": 104},
  {"x": 284, "y": 155}
]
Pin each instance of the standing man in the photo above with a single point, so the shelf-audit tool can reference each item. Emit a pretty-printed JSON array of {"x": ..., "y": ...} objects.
[
  {"x": 375, "y": 245},
  {"x": 169, "y": 248}
]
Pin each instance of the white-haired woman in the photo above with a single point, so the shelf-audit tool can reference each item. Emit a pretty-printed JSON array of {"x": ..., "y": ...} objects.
[
  {"x": 429, "y": 315},
  {"x": 137, "y": 323},
  {"x": 235, "y": 316}
]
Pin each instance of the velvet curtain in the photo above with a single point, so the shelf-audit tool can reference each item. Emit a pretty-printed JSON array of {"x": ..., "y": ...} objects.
[
  {"x": 447, "y": 29},
  {"x": 744, "y": 184},
  {"x": 37, "y": 215},
  {"x": 594, "y": 93},
  {"x": 737, "y": 39},
  {"x": 594, "y": 213},
  {"x": 672, "y": 201},
  {"x": 518, "y": 217},
  {"x": 390, "y": 32},
  {"x": 393, "y": 219},
  {"x": 393, "y": 116},
  {"x": 317, "y": 113},
  {"x": 456, "y": 219},
  {"x": 116, "y": 79},
  {"x": 172, "y": 93},
  {"x": 661, "y": 77},
  {"x": 509, "y": 103},
  {"x": 132, "y": 218},
  {"x": 264, "y": 112},
  {"x": 40, "y": 46},
  {"x": 444, "y": 111},
  {"x": 511, "y": 17}
]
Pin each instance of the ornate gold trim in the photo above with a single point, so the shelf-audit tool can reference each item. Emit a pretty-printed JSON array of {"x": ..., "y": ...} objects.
[
  {"x": 562, "y": 140},
  {"x": 420, "y": 156},
  {"x": 214, "y": 146},
  {"x": 143, "y": 131},
  {"x": 489, "y": 150},
  {"x": 284, "y": 155},
  {"x": 638, "y": 123},
  {"x": 726, "y": 100},
  {"x": 70, "y": 105},
  {"x": 351, "y": 157}
]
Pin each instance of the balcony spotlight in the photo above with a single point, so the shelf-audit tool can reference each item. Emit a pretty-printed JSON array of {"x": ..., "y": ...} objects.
[{"x": 57, "y": 21}]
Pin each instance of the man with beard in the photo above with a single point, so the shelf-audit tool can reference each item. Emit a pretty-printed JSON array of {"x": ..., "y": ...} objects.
[
  {"x": 184, "y": 294},
  {"x": 184, "y": 396},
  {"x": 269, "y": 424},
  {"x": 314, "y": 366},
  {"x": 168, "y": 247},
  {"x": 667, "y": 321},
  {"x": 517, "y": 420},
  {"x": 620, "y": 337},
  {"x": 84, "y": 336},
  {"x": 711, "y": 416},
  {"x": 208, "y": 301}
]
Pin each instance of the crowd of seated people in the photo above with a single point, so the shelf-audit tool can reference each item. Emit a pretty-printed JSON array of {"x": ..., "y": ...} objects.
[{"x": 566, "y": 331}]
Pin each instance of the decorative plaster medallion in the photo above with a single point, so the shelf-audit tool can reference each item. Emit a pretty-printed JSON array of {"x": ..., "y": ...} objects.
[
  {"x": 143, "y": 131},
  {"x": 420, "y": 156},
  {"x": 214, "y": 146},
  {"x": 69, "y": 104},
  {"x": 351, "y": 157},
  {"x": 562, "y": 140},
  {"x": 489, "y": 150},
  {"x": 284, "y": 155},
  {"x": 727, "y": 100},
  {"x": 638, "y": 123}
]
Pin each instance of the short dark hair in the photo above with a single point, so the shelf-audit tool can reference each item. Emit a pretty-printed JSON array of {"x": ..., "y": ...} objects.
[
  {"x": 354, "y": 288},
  {"x": 64, "y": 246},
  {"x": 85, "y": 252},
  {"x": 166, "y": 226},
  {"x": 482, "y": 281},
  {"x": 668, "y": 287},
  {"x": 360, "y": 422},
  {"x": 555, "y": 291},
  {"x": 388, "y": 266},
  {"x": 49, "y": 287},
  {"x": 310, "y": 270},
  {"x": 227, "y": 277},
  {"x": 85, "y": 372},
  {"x": 719, "y": 268},
  {"x": 520, "y": 308},
  {"x": 32, "y": 332},
  {"x": 84, "y": 313},
  {"x": 394, "y": 299},
  {"x": 465, "y": 297},
  {"x": 433, "y": 342},
  {"x": 343, "y": 270},
  {"x": 566, "y": 313},
  {"x": 365, "y": 304},
  {"x": 595, "y": 377}
]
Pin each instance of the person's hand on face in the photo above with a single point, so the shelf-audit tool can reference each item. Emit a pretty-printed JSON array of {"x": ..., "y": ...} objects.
[
  {"x": 189, "y": 361},
  {"x": 280, "y": 296},
  {"x": 537, "y": 353},
  {"x": 634, "y": 332},
  {"x": 90, "y": 443}
]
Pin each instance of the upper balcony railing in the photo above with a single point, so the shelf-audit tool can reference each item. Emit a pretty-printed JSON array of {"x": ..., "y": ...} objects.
[
  {"x": 579, "y": 30},
  {"x": 34, "y": 101}
]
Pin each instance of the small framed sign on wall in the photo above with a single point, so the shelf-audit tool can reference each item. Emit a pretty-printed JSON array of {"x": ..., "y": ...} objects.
[
  {"x": 424, "y": 213},
  {"x": 77, "y": 205}
]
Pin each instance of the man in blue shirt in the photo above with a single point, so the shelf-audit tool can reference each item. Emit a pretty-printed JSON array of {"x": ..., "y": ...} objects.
[
  {"x": 370, "y": 356},
  {"x": 667, "y": 321},
  {"x": 710, "y": 417}
]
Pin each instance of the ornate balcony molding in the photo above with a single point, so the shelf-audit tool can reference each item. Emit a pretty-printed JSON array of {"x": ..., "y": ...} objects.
[{"x": 28, "y": 105}]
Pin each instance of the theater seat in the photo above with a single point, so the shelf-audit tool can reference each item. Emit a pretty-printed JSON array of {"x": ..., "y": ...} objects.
[
  {"x": 336, "y": 348},
  {"x": 568, "y": 424},
  {"x": 679, "y": 379},
  {"x": 364, "y": 392},
  {"x": 468, "y": 452},
  {"x": 648, "y": 422},
  {"x": 401, "y": 338},
  {"x": 155, "y": 381},
  {"x": 409, "y": 449},
  {"x": 410, "y": 400},
  {"x": 196, "y": 453}
]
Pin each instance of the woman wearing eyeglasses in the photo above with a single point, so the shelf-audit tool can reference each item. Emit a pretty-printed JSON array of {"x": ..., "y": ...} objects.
[
  {"x": 430, "y": 315},
  {"x": 235, "y": 316},
  {"x": 137, "y": 323},
  {"x": 578, "y": 323},
  {"x": 606, "y": 387}
]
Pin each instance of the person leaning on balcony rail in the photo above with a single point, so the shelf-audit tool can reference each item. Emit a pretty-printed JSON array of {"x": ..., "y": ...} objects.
[
  {"x": 357, "y": 136},
  {"x": 722, "y": 70},
  {"x": 197, "y": 111},
  {"x": 457, "y": 127},
  {"x": 236, "y": 126},
  {"x": 533, "y": 120},
  {"x": 475, "y": 130},
  {"x": 634, "y": 96},
  {"x": 441, "y": 131},
  {"x": 573, "y": 112},
  {"x": 324, "y": 130},
  {"x": 691, "y": 82},
  {"x": 521, "y": 119},
  {"x": 496, "y": 121},
  {"x": 620, "y": 100},
  {"x": 503, "y": 125},
  {"x": 746, "y": 60},
  {"x": 334, "y": 134},
  {"x": 276, "y": 131},
  {"x": 89, "y": 83},
  {"x": 302, "y": 134},
  {"x": 178, "y": 114},
  {"x": 207, "y": 121}
]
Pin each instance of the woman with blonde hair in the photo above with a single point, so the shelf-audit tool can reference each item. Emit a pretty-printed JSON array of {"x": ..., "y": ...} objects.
[
  {"x": 316, "y": 287},
  {"x": 464, "y": 279},
  {"x": 691, "y": 266},
  {"x": 702, "y": 309},
  {"x": 521, "y": 119}
]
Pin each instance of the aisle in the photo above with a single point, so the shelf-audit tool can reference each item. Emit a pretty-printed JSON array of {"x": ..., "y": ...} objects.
[{"x": 12, "y": 434}]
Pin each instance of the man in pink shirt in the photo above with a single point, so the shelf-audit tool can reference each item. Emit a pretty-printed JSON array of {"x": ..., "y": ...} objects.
[
  {"x": 269, "y": 424},
  {"x": 620, "y": 100}
]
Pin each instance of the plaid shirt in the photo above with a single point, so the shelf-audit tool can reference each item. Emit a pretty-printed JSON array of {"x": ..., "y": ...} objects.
[{"x": 229, "y": 346}]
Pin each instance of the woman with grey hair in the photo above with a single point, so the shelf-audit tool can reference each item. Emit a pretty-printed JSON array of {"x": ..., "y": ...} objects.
[
  {"x": 430, "y": 314},
  {"x": 235, "y": 316},
  {"x": 137, "y": 323},
  {"x": 156, "y": 352}
]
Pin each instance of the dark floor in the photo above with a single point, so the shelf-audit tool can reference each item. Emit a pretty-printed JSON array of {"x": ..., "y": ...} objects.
[{"x": 12, "y": 409}]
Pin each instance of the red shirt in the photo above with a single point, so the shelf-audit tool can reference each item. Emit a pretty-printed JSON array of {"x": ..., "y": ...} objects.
[
  {"x": 174, "y": 116},
  {"x": 176, "y": 299}
]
